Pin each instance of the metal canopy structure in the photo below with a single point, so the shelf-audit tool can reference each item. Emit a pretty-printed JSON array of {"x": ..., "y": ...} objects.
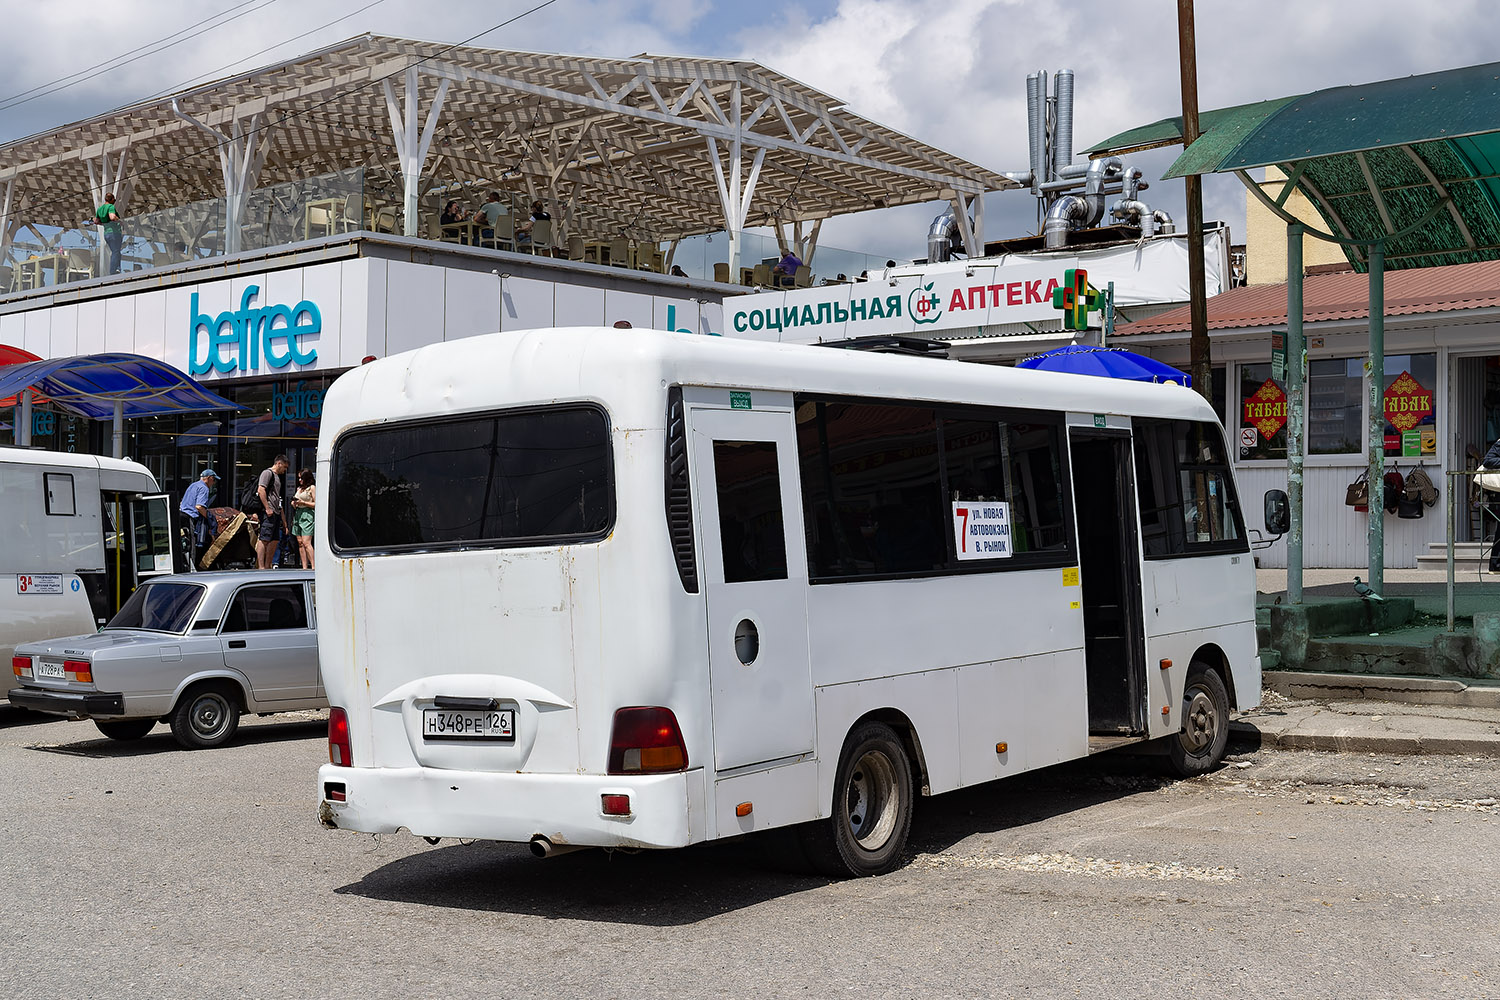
[
  {"x": 106, "y": 387},
  {"x": 1404, "y": 173},
  {"x": 668, "y": 146},
  {"x": 1411, "y": 163}
]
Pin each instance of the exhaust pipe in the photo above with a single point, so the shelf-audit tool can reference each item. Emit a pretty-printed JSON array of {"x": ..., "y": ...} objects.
[
  {"x": 1062, "y": 148},
  {"x": 541, "y": 847}
]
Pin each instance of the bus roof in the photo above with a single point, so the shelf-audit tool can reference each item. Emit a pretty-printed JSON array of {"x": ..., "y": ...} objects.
[
  {"x": 114, "y": 473},
  {"x": 618, "y": 367}
]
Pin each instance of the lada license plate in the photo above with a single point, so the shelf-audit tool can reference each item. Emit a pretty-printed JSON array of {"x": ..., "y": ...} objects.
[
  {"x": 45, "y": 669},
  {"x": 469, "y": 724}
]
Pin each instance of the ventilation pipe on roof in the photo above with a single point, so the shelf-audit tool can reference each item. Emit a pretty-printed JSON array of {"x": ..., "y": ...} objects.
[
  {"x": 944, "y": 237},
  {"x": 1036, "y": 125},
  {"x": 1062, "y": 134}
]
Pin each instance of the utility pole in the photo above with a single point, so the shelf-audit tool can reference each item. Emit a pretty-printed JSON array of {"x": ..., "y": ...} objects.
[{"x": 1201, "y": 363}]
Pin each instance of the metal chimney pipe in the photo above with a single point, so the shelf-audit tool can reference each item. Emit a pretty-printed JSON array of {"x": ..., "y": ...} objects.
[
  {"x": 1036, "y": 128},
  {"x": 1062, "y": 152}
]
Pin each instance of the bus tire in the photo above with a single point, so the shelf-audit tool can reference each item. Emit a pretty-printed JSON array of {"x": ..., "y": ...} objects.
[
  {"x": 125, "y": 729},
  {"x": 1199, "y": 746},
  {"x": 866, "y": 831},
  {"x": 207, "y": 715}
]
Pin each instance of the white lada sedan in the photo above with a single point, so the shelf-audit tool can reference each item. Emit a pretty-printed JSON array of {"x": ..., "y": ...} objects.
[{"x": 194, "y": 651}]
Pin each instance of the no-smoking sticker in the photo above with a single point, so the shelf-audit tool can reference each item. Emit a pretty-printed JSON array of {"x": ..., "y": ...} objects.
[{"x": 981, "y": 529}]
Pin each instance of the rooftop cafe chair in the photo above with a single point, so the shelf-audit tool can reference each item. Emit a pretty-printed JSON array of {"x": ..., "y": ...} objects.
[
  {"x": 502, "y": 236},
  {"x": 541, "y": 236},
  {"x": 79, "y": 266},
  {"x": 385, "y": 219},
  {"x": 803, "y": 278},
  {"x": 721, "y": 272},
  {"x": 317, "y": 220},
  {"x": 7, "y": 278},
  {"x": 762, "y": 275},
  {"x": 619, "y": 252},
  {"x": 575, "y": 248},
  {"x": 354, "y": 214}
]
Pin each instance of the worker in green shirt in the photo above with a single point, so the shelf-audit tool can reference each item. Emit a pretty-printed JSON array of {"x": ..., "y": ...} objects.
[{"x": 108, "y": 218}]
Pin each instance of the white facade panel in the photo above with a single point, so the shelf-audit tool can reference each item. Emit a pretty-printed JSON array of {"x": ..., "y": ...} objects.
[
  {"x": 580, "y": 307},
  {"x": 91, "y": 323},
  {"x": 363, "y": 303},
  {"x": 471, "y": 304},
  {"x": 13, "y": 330},
  {"x": 323, "y": 287},
  {"x": 65, "y": 331},
  {"x": 526, "y": 304},
  {"x": 38, "y": 334},
  {"x": 153, "y": 325},
  {"x": 632, "y": 307},
  {"x": 413, "y": 306}
]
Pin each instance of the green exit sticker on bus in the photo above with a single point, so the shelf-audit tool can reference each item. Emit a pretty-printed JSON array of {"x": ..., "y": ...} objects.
[
  {"x": 1098, "y": 420},
  {"x": 739, "y": 401}
]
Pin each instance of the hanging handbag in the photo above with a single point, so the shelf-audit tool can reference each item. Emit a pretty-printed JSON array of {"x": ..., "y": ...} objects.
[
  {"x": 1409, "y": 507},
  {"x": 1357, "y": 494},
  {"x": 1419, "y": 487},
  {"x": 1393, "y": 483}
]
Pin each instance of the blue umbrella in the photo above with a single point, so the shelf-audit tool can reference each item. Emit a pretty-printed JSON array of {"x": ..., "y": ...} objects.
[{"x": 1109, "y": 362}]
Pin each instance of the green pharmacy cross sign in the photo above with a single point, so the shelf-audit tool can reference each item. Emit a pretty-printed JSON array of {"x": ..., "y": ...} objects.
[{"x": 1076, "y": 299}]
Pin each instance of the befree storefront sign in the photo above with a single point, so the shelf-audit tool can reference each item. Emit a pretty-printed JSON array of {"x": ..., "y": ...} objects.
[
  {"x": 241, "y": 340},
  {"x": 948, "y": 297}
]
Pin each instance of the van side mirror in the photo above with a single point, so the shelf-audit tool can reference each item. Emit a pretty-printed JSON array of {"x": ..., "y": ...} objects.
[{"x": 1278, "y": 512}]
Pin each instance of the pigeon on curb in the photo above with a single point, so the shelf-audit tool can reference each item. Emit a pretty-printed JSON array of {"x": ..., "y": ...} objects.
[{"x": 1364, "y": 591}]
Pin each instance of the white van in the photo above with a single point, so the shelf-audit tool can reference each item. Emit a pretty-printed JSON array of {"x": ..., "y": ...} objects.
[
  {"x": 80, "y": 533},
  {"x": 640, "y": 589}
]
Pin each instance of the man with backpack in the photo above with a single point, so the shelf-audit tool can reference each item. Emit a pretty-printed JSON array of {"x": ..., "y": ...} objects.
[{"x": 269, "y": 491}]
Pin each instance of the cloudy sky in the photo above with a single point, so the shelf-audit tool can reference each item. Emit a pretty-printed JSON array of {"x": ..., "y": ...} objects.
[{"x": 949, "y": 72}]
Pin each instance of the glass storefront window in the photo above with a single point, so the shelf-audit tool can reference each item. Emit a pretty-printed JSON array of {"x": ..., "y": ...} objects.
[
  {"x": 1411, "y": 406},
  {"x": 1335, "y": 406},
  {"x": 1262, "y": 413}
]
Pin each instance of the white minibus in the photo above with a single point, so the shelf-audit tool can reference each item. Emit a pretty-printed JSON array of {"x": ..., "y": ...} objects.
[
  {"x": 627, "y": 588},
  {"x": 81, "y": 533}
]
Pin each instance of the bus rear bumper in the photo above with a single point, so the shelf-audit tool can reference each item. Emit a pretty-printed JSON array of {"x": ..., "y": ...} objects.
[{"x": 666, "y": 810}]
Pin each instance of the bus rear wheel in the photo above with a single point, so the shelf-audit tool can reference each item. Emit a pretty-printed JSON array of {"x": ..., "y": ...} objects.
[
  {"x": 872, "y": 807},
  {"x": 1199, "y": 747}
]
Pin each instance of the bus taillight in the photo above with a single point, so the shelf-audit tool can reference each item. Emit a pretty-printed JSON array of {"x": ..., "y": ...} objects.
[
  {"x": 339, "y": 751},
  {"x": 646, "y": 741}
]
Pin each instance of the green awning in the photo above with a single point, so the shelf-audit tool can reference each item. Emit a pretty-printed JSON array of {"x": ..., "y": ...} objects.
[{"x": 1413, "y": 162}]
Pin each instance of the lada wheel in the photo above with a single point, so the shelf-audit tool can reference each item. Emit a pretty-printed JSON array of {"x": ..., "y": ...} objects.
[
  {"x": 125, "y": 729},
  {"x": 1199, "y": 746},
  {"x": 206, "y": 716},
  {"x": 872, "y": 807}
]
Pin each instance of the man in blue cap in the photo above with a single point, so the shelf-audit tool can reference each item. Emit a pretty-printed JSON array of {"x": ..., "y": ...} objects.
[{"x": 195, "y": 504}]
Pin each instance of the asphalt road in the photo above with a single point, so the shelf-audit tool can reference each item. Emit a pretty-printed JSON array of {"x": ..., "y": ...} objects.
[{"x": 145, "y": 871}]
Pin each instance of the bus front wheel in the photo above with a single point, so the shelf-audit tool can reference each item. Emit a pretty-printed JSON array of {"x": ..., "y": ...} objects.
[
  {"x": 1199, "y": 746},
  {"x": 872, "y": 807}
]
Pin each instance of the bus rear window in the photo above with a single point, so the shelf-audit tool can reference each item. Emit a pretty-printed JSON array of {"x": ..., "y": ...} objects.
[{"x": 508, "y": 478}]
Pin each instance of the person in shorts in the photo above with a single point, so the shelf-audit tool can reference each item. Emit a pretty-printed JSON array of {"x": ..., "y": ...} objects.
[{"x": 270, "y": 491}]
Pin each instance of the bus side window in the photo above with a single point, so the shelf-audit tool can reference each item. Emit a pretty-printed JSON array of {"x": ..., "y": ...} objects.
[{"x": 751, "y": 529}]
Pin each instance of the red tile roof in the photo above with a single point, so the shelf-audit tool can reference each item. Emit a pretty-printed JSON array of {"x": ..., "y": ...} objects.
[{"x": 1340, "y": 296}]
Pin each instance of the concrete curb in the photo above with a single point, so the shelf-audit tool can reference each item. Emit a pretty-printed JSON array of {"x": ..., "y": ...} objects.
[
  {"x": 1370, "y": 687},
  {"x": 1344, "y": 741}
]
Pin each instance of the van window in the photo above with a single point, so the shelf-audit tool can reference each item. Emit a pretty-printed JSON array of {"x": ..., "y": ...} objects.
[
  {"x": 1186, "y": 494},
  {"x": 881, "y": 480},
  {"x": 500, "y": 479},
  {"x": 60, "y": 500},
  {"x": 750, "y": 525}
]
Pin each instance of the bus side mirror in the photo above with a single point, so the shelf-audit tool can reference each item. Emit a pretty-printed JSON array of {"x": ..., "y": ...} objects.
[{"x": 1278, "y": 513}]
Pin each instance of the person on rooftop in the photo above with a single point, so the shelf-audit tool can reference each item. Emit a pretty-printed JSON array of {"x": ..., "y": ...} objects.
[
  {"x": 490, "y": 213},
  {"x": 107, "y": 217},
  {"x": 784, "y": 273},
  {"x": 452, "y": 219}
]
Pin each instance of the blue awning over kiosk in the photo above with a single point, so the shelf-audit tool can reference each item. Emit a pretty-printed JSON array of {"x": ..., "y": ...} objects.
[{"x": 91, "y": 384}]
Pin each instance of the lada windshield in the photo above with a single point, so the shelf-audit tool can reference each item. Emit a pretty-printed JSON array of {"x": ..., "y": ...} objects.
[{"x": 160, "y": 607}]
